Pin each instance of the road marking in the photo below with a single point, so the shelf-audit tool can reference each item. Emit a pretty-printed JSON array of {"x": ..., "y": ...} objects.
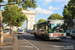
[
  {"x": 6, "y": 46},
  {"x": 24, "y": 42},
  {"x": 27, "y": 46},
  {"x": 30, "y": 43}
]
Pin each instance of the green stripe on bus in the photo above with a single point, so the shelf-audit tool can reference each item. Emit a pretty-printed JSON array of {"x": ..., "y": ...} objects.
[{"x": 50, "y": 33}]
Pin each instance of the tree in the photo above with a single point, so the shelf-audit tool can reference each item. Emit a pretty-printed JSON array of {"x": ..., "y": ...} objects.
[
  {"x": 13, "y": 15},
  {"x": 22, "y": 3},
  {"x": 41, "y": 20},
  {"x": 55, "y": 17},
  {"x": 26, "y": 28},
  {"x": 69, "y": 12},
  {"x": 1, "y": 30}
]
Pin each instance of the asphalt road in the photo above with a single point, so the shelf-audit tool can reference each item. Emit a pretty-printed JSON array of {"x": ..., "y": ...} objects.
[{"x": 28, "y": 41}]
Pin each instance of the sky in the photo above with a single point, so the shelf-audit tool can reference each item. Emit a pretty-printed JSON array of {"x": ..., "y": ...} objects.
[{"x": 46, "y": 8}]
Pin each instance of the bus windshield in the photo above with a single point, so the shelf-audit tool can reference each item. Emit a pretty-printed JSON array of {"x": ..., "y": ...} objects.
[{"x": 56, "y": 28}]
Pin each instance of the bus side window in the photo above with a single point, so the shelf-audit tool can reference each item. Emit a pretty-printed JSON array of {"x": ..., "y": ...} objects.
[{"x": 41, "y": 29}]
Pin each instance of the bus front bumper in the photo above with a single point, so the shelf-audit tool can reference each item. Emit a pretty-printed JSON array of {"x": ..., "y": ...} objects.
[{"x": 56, "y": 38}]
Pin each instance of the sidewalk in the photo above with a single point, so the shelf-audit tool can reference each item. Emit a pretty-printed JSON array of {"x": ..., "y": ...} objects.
[{"x": 9, "y": 42}]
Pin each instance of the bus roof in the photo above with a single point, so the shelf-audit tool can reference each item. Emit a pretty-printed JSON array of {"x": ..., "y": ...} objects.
[
  {"x": 50, "y": 21},
  {"x": 42, "y": 22}
]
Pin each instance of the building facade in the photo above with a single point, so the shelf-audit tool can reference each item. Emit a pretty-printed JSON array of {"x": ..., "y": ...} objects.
[{"x": 30, "y": 14}]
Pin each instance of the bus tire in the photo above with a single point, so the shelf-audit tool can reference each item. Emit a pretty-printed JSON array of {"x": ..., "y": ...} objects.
[
  {"x": 72, "y": 37},
  {"x": 35, "y": 35},
  {"x": 43, "y": 37}
]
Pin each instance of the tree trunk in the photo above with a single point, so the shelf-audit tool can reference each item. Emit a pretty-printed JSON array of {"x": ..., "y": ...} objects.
[
  {"x": 10, "y": 30},
  {"x": 1, "y": 30}
]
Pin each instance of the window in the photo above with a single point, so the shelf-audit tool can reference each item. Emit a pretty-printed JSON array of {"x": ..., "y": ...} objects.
[
  {"x": 73, "y": 31},
  {"x": 56, "y": 28},
  {"x": 20, "y": 30}
]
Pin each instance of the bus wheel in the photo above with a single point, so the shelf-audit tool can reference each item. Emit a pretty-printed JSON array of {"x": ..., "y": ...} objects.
[
  {"x": 72, "y": 37},
  {"x": 35, "y": 35},
  {"x": 46, "y": 38},
  {"x": 43, "y": 37}
]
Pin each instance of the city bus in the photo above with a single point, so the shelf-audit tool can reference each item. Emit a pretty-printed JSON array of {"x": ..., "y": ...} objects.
[{"x": 51, "y": 30}]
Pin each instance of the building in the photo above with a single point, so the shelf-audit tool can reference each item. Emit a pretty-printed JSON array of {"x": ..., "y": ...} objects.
[{"x": 30, "y": 14}]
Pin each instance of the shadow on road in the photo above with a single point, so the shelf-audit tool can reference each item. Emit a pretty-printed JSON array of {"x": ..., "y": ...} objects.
[{"x": 34, "y": 39}]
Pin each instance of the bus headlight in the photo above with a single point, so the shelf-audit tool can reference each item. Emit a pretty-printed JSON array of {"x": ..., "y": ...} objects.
[
  {"x": 50, "y": 35},
  {"x": 64, "y": 34}
]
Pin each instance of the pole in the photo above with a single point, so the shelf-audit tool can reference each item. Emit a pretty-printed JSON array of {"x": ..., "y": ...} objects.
[{"x": 1, "y": 30}]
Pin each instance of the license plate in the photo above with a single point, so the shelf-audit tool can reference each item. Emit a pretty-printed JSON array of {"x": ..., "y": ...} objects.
[
  {"x": 57, "y": 34},
  {"x": 57, "y": 38}
]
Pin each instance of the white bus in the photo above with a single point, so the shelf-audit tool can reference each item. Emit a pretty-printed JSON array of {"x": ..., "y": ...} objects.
[{"x": 50, "y": 30}]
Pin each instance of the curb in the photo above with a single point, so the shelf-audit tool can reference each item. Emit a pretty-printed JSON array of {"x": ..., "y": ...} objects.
[{"x": 15, "y": 43}]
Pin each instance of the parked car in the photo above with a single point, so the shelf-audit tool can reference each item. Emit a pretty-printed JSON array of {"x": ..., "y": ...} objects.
[
  {"x": 32, "y": 31},
  {"x": 25, "y": 31},
  {"x": 28, "y": 31},
  {"x": 72, "y": 34},
  {"x": 21, "y": 31},
  {"x": 68, "y": 32},
  {"x": 6, "y": 30}
]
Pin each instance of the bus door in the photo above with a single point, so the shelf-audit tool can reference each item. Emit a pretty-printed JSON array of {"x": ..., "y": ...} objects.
[{"x": 40, "y": 32}]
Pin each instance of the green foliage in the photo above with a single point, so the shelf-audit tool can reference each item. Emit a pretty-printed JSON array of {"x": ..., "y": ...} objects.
[
  {"x": 25, "y": 28},
  {"x": 70, "y": 23},
  {"x": 13, "y": 15},
  {"x": 24, "y": 3},
  {"x": 69, "y": 12},
  {"x": 34, "y": 27},
  {"x": 55, "y": 17},
  {"x": 11, "y": 0},
  {"x": 70, "y": 8},
  {"x": 41, "y": 20},
  {"x": 65, "y": 13},
  {"x": 1, "y": 0}
]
